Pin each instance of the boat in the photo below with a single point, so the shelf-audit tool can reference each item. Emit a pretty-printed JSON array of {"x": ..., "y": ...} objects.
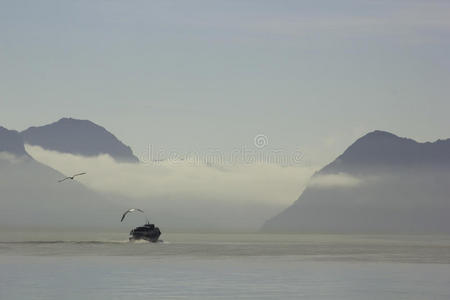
[{"x": 148, "y": 232}]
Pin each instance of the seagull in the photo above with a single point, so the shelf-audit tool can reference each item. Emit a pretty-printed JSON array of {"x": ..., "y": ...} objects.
[
  {"x": 72, "y": 177},
  {"x": 130, "y": 210}
]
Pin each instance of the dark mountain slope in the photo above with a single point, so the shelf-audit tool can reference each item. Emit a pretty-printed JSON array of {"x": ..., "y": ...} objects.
[
  {"x": 81, "y": 137},
  {"x": 382, "y": 183}
]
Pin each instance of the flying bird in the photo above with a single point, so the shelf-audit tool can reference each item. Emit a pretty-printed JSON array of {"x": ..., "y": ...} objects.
[
  {"x": 130, "y": 210},
  {"x": 72, "y": 177}
]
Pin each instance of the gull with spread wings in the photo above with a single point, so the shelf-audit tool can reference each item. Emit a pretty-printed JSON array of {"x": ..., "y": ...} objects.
[
  {"x": 72, "y": 177},
  {"x": 132, "y": 210}
]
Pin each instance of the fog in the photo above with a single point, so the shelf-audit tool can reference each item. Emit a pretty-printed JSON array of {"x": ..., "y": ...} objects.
[
  {"x": 188, "y": 194},
  {"x": 334, "y": 180}
]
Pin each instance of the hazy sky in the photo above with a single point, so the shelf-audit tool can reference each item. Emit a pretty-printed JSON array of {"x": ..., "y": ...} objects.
[{"x": 199, "y": 75}]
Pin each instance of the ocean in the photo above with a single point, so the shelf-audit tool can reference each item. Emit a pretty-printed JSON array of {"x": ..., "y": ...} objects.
[{"x": 42, "y": 265}]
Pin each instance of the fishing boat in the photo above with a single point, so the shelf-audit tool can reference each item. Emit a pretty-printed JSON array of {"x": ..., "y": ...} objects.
[{"x": 148, "y": 232}]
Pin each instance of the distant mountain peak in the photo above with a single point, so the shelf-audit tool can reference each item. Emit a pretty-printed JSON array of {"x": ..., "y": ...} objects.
[
  {"x": 382, "y": 148},
  {"x": 380, "y": 134},
  {"x": 80, "y": 137},
  {"x": 73, "y": 121}
]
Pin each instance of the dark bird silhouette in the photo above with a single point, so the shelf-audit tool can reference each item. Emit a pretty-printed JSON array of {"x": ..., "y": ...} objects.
[{"x": 72, "y": 177}]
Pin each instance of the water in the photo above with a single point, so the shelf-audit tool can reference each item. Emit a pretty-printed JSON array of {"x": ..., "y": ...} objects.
[{"x": 223, "y": 266}]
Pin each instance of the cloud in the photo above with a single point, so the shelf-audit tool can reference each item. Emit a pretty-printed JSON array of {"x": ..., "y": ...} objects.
[
  {"x": 334, "y": 180},
  {"x": 244, "y": 194}
]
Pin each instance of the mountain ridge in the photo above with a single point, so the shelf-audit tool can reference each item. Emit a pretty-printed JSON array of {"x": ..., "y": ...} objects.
[
  {"x": 79, "y": 137},
  {"x": 383, "y": 150},
  {"x": 396, "y": 185}
]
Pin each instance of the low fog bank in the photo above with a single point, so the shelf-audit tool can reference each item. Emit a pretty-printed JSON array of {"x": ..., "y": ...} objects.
[
  {"x": 183, "y": 195},
  {"x": 188, "y": 196}
]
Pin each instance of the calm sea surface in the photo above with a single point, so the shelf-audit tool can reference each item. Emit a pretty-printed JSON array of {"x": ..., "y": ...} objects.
[{"x": 223, "y": 266}]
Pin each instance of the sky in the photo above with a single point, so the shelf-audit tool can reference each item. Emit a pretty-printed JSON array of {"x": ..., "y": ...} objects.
[{"x": 200, "y": 76}]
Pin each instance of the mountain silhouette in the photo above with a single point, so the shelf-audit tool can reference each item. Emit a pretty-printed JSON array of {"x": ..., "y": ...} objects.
[
  {"x": 80, "y": 137},
  {"x": 382, "y": 183}
]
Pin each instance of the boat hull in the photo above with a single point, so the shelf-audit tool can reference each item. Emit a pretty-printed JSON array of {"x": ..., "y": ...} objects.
[{"x": 148, "y": 232}]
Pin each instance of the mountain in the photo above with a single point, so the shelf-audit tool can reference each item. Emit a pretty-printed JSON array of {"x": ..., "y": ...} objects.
[
  {"x": 382, "y": 183},
  {"x": 81, "y": 137},
  {"x": 31, "y": 197},
  {"x": 384, "y": 150},
  {"x": 11, "y": 142}
]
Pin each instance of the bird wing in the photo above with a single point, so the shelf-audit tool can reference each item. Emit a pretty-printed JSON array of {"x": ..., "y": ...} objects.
[
  {"x": 124, "y": 214},
  {"x": 130, "y": 210},
  {"x": 63, "y": 179},
  {"x": 79, "y": 174}
]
